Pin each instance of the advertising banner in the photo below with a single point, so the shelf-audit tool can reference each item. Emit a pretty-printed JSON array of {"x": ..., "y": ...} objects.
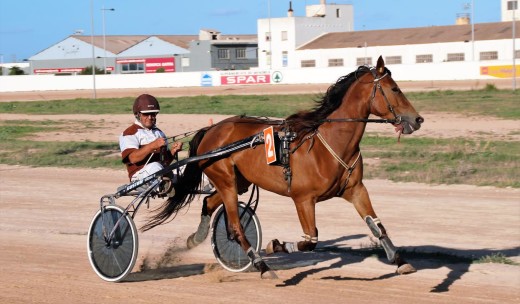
[
  {"x": 152, "y": 64},
  {"x": 500, "y": 71},
  {"x": 244, "y": 77}
]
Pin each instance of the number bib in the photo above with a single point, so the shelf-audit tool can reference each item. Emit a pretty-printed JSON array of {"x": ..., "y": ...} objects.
[{"x": 269, "y": 144}]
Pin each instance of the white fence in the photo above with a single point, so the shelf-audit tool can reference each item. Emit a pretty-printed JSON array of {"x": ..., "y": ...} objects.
[{"x": 416, "y": 72}]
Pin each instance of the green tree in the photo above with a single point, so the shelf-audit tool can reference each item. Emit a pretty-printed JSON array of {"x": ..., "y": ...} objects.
[
  {"x": 160, "y": 70},
  {"x": 15, "y": 70}
]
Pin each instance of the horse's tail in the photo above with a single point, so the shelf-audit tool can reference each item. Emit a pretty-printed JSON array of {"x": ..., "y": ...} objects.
[{"x": 187, "y": 184}]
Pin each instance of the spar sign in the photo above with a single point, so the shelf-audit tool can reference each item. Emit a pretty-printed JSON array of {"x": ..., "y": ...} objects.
[{"x": 244, "y": 77}]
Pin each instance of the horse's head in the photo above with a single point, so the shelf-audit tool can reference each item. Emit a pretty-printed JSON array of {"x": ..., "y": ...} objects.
[{"x": 388, "y": 101}]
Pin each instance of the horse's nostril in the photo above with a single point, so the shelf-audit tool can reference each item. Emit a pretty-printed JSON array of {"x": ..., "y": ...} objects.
[{"x": 419, "y": 120}]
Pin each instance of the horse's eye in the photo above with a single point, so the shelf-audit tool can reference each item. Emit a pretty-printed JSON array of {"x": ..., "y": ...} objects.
[{"x": 396, "y": 90}]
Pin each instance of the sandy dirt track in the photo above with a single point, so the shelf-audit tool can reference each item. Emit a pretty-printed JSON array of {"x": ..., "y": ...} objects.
[{"x": 45, "y": 214}]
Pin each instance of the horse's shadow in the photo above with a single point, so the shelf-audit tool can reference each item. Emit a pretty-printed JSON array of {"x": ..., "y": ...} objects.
[
  {"x": 458, "y": 262},
  {"x": 422, "y": 257}
]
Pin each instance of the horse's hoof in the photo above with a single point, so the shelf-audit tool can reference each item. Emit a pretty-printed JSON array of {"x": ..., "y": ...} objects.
[
  {"x": 269, "y": 249},
  {"x": 405, "y": 269},
  {"x": 274, "y": 246},
  {"x": 269, "y": 275},
  {"x": 190, "y": 243}
]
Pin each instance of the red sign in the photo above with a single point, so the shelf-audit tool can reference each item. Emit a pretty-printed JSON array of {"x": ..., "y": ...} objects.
[
  {"x": 269, "y": 144},
  {"x": 63, "y": 70},
  {"x": 245, "y": 79},
  {"x": 152, "y": 64}
]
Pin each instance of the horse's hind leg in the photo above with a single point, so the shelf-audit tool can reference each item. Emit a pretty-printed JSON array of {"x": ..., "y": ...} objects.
[
  {"x": 237, "y": 232},
  {"x": 227, "y": 186},
  {"x": 358, "y": 195},
  {"x": 307, "y": 216},
  {"x": 209, "y": 204}
]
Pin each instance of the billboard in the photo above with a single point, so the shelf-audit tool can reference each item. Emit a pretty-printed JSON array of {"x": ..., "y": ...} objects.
[
  {"x": 244, "y": 77},
  {"x": 500, "y": 71},
  {"x": 152, "y": 64}
]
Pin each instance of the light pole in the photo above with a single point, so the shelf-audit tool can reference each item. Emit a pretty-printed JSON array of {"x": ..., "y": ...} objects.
[
  {"x": 472, "y": 30},
  {"x": 92, "y": 42},
  {"x": 103, "y": 9},
  {"x": 472, "y": 17},
  {"x": 515, "y": 7},
  {"x": 270, "y": 36}
]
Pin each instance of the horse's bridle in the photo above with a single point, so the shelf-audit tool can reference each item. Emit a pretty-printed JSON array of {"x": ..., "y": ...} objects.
[{"x": 377, "y": 85}]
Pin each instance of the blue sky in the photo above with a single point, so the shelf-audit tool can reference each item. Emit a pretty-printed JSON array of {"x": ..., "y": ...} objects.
[{"x": 29, "y": 26}]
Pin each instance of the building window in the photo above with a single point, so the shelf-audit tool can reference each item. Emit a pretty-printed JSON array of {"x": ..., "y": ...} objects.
[
  {"x": 393, "y": 60},
  {"x": 488, "y": 55},
  {"x": 268, "y": 58},
  {"x": 133, "y": 67},
  {"x": 512, "y": 5},
  {"x": 240, "y": 53},
  {"x": 223, "y": 54},
  {"x": 284, "y": 35},
  {"x": 308, "y": 63},
  {"x": 267, "y": 36},
  {"x": 364, "y": 61},
  {"x": 335, "y": 62},
  {"x": 285, "y": 58},
  {"x": 424, "y": 58},
  {"x": 455, "y": 57}
]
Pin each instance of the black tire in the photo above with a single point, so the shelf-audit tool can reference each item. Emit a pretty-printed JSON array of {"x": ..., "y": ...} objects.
[
  {"x": 112, "y": 261},
  {"x": 227, "y": 251}
]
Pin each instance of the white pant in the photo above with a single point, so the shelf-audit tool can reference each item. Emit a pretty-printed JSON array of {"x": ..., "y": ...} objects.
[{"x": 151, "y": 168}]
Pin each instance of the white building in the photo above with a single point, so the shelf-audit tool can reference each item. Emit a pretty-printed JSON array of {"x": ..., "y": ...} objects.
[
  {"x": 324, "y": 38},
  {"x": 278, "y": 38},
  {"x": 509, "y": 8}
]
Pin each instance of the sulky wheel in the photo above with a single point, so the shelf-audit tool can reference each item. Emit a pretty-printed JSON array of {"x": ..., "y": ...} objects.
[
  {"x": 227, "y": 251},
  {"x": 113, "y": 259}
]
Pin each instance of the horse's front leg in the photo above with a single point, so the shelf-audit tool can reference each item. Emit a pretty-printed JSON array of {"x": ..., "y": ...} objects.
[
  {"x": 307, "y": 215},
  {"x": 358, "y": 195},
  {"x": 209, "y": 205}
]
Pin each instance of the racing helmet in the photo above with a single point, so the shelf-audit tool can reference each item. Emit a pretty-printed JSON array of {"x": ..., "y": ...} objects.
[{"x": 146, "y": 103}]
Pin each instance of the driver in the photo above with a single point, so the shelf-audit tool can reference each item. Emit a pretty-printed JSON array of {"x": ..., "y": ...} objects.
[{"x": 144, "y": 147}]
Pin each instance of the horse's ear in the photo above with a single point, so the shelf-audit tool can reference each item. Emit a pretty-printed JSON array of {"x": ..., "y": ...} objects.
[{"x": 380, "y": 68}]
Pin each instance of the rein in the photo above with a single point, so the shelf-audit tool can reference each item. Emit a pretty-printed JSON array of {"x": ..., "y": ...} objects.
[{"x": 376, "y": 120}]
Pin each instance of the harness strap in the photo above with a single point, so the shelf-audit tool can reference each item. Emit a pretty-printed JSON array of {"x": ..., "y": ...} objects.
[
  {"x": 310, "y": 136},
  {"x": 349, "y": 169}
]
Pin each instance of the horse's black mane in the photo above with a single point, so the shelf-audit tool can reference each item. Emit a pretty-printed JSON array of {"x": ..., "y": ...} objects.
[{"x": 305, "y": 122}]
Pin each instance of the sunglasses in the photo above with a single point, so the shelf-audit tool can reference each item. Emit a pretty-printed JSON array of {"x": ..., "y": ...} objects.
[{"x": 149, "y": 114}]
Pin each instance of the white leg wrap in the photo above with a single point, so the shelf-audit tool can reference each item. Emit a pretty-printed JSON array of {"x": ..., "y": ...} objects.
[
  {"x": 291, "y": 247},
  {"x": 373, "y": 225},
  {"x": 253, "y": 255},
  {"x": 312, "y": 239}
]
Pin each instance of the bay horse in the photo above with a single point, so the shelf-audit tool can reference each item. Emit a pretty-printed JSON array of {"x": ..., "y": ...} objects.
[{"x": 325, "y": 162}]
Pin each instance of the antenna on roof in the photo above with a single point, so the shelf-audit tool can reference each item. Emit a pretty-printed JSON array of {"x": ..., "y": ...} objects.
[{"x": 78, "y": 32}]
